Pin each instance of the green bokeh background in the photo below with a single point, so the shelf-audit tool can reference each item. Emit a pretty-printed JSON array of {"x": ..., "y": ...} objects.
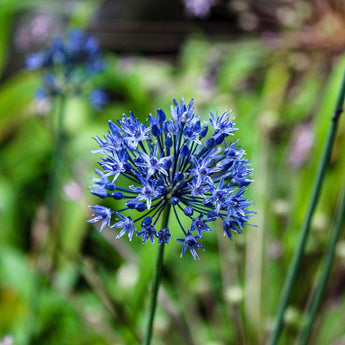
[{"x": 98, "y": 292}]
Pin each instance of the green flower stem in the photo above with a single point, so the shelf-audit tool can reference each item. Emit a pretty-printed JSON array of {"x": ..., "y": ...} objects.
[
  {"x": 51, "y": 200},
  {"x": 294, "y": 265},
  {"x": 315, "y": 302},
  {"x": 55, "y": 177},
  {"x": 156, "y": 282},
  {"x": 57, "y": 155},
  {"x": 154, "y": 294}
]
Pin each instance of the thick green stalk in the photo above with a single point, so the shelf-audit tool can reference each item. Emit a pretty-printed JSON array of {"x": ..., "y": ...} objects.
[
  {"x": 315, "y": 302},
  {"x": 156, "y": 282},
  {"x": 294, "y": 265}
]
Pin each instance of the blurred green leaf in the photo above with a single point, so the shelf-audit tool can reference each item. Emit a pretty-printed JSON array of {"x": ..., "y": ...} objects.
[{"x": 15, "y": 97}]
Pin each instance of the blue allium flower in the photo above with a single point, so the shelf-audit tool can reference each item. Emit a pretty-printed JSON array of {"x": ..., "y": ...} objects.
[
  {"x": 68, "y": 66},
  {"x": 178, "y": 167}
]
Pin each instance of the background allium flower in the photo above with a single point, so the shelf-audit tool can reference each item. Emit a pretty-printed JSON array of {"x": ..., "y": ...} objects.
[
  {"x": 67, "y": 66},
  {"x": 98, "y": 98},
  {"x": 171, "y": 168}
]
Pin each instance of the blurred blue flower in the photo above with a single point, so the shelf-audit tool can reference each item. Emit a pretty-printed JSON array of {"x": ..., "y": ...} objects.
[
  {"x": 68, "y": 66},
  {"x": 98, "y": 99},
  {"x": 172, "y": 168}
]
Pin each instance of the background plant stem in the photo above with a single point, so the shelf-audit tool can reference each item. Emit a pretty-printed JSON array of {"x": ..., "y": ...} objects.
[
  {"x": 294, "y": 265},
  {"x": 315, "y": 302},
  {"x": 51, "y": 200},
  {"x": 54, "y": 180},
  {"x": 55, "y": 177}
]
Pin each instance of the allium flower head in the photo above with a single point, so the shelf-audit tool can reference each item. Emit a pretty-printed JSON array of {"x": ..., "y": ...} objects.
[
  {"x": 178, "y": 167},
  {"x": 67, "y": 66}
]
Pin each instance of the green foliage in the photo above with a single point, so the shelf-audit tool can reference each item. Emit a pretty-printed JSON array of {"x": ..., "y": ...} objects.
[{"x": 98, "y": 291}]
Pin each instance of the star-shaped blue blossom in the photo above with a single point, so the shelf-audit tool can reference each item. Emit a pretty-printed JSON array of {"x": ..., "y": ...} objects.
[
  {"x": 190, "y": 242},
  {"x": 164, "y": 236},
  {"x": 147, "y": 192},
  {"x": 102, "y": 214},
  {"x": 114, "y": 164},
  {"x": 153, "y": 163},
  {"x": 148, "y": 231},
  {"x": 135, "y": 132},
  {"x": 127, "y": 226},
  {"x": 200, "y": 224}
]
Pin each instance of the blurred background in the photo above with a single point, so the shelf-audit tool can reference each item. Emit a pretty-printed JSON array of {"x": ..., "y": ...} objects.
[{"x": 277, "y": 64}]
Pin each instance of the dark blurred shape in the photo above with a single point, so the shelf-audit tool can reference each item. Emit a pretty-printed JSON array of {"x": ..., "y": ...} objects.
[
  {"x": 336, "y": 6},
  {"x": 155, "y": 27}
]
